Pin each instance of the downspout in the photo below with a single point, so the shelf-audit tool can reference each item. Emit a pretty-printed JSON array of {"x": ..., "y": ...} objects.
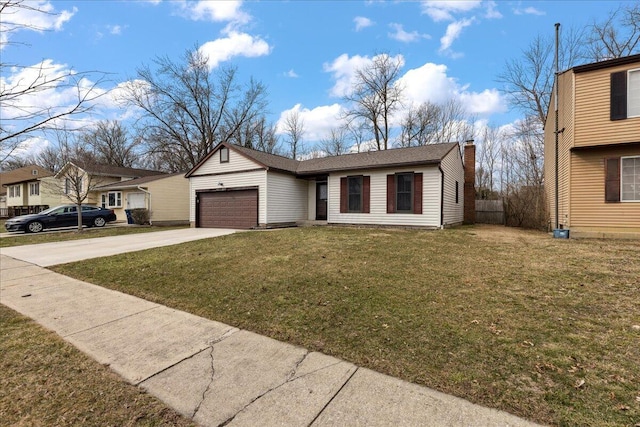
[
  {"x": 441, "y": 196},
  {"x": 557, "y": 196},
  {"x": 149, "y": 208}
]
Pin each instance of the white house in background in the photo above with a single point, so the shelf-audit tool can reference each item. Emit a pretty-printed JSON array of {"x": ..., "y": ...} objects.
[
  {"x": 237, "y": 187},
  {"x": 166, "y": 196}
]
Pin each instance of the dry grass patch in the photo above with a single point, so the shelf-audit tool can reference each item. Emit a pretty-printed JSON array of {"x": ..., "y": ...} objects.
[
  {"x": 543, "y": 328},
  {"x": 47, "y": 382},
  {"x": 87, "y": 233}
]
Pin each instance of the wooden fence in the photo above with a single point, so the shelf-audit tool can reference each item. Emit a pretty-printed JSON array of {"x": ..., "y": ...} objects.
[{"x": 489, "y": 212}]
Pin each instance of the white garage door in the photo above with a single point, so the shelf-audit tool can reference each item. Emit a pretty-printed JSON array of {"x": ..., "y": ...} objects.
[{"x": 136, "y": 200}]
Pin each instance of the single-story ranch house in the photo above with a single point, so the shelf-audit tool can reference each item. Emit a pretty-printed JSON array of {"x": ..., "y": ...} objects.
[{"x": 237, "y": 187}]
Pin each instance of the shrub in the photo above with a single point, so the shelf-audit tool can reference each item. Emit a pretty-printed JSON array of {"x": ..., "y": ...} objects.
[{"x": 141, "y": 216}]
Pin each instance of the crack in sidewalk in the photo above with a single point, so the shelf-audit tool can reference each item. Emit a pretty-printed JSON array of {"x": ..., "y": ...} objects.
[{"x": 333, "y": 397}]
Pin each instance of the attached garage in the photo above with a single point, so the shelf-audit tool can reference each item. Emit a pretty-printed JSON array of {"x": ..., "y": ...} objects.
[{"x": 227, "y": 209}]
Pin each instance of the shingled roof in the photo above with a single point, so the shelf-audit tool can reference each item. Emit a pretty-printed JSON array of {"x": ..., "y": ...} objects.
[
  {"x": 426, "y": 154},
  {"x": 137, "y": 182},
  {"x": 23, "y": 174}
]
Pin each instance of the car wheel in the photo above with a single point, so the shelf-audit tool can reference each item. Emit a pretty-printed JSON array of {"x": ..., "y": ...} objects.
[
  {"x": 99, "y": 221},
  {"x": 34, "y": 227}
]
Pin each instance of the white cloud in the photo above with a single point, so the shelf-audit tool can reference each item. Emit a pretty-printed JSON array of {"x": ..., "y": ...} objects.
[
  {"x": 430, "y": 83},
  {"x": 216, "y": 11},
  {"x": 362, "y": 22},
  {"x": 529, "y": 11},
  {"x": 443, "y": 10},
  {"x": 454, "y": 30},
  {"x": 116, "y": 30},
  {"x": 344, "y": 70},
  {"x": 291, "y": 73},
  {"x": 401, "y": 35},
  {"x": 318, "y": 122},
  {"x": 38, "y": 16},
  {"x": 234, "y": 44},
  {"x": 492, "y": 11}
]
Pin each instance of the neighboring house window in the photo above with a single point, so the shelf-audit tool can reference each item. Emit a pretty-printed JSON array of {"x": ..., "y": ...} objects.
[
  {"x": 16, "y": 191},
  {"x": 355, "y": 194},
  {"x": 630, "y": 179},
  {"x": 69, "y": 188},
  {"x": 625, "y": 94},
  {"x": 34, "y": 189},
  {"x": 103, "y": 200},
  {"x": 404, "y": 193},
  {"x": 457, "y": 191},
  {"x": 114, "y": 199},
  {"x": 224, "y": 155}
]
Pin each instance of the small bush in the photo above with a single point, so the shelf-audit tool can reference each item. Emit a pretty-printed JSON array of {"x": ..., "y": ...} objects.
[{"x": 141, "y": 216}]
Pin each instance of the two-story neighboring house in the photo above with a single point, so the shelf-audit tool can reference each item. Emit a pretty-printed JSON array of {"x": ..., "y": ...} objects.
[
  {"x": 29, "y": 189},
  {"x": 598, "y": 154}
]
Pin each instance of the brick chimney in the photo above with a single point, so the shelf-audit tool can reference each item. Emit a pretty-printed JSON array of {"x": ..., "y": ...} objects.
[{"x": 469, "y": 182}]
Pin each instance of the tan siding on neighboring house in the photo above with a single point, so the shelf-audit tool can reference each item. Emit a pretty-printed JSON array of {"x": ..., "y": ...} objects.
[
  {"x": 241, "y": 179},
  {"x": 237, "y": 162},
  {"x": 589, "y": 212},
  {"x": 286, "y": 198},
  {"x": 311, "y": 204},
  {"x": 592, "y": 111},
  {"x": 169, "y": 199},
  {"x": 430, "y": 216},
  {"x": 451, "y": 165}
]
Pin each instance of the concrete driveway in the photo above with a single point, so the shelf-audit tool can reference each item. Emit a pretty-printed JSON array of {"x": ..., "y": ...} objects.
[{"x": 47, "y": 254}]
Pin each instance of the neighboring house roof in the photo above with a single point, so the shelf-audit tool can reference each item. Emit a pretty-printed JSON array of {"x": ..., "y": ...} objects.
[
  {"x": 426, "y": 154},
  {"x": 135, "y": 183},
  {"x": 112, "y": 171},
  {"x": 625, "y": 60},
  {"x": 23, "y": 174}
]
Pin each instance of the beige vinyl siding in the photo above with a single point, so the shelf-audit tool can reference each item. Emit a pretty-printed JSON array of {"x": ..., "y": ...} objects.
[
  {"x": 50, "y": 191},
  {"x": 233, "y": 180},
  {"x": 453, "y": 213},
  {"x": 311, "y": 203},
  {"x": 430, "y": 216},
  {"x": 169, "y": 199},
  {"x": 592, "y": 111},
  {"x": 566, "y": 84},
  {"x": 589, "y": 212},
  {"x": 237, "y": 162},
  {"x": 286, "y": 198}
]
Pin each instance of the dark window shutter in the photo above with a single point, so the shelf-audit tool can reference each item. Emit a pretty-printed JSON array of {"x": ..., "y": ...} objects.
[
  {"x": 417, "y": 193},
  {"x": 619, "y": 95},
  {"x": 366, "y": 194},
  {"x": 391, "y": 193},
  {"x": 612, "y": 180},
  {"x": 344, "y": 196}
]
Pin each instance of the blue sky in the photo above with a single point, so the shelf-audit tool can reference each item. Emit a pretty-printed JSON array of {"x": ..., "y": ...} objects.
[{"x": 303, "y": 51}]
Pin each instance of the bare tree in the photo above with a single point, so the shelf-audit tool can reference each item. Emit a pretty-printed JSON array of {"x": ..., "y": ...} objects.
[
  {"x": 616, "y": 36},
  {"x": 24, "y": 113},
  {"x": 110, "y": 143},
  {"x": 188, "y": 109},
  {"x": 357, "y": 132},
  {"x": 258, "y": 135},
  {"x": 376, "y": 95},
  {"x": 431, "y": 123},
  {"x": 487, "y": 161},
  {"x": 336, "y": 144},
  {"x": 293, "y": 129}
]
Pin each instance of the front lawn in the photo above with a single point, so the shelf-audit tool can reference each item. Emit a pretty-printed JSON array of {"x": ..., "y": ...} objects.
[
  {"x": 72, "y": 234},
  {"x": 45, "y": 381},
  {"x": 547, "y": 329}
]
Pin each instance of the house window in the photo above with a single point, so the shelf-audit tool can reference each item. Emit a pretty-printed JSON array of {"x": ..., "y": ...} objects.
[
  {"x": 404, "y": 192},
  {"x": 34, "y": 189},
  {"x": 69, "y": 188},
  {"x": 457, "y": 191},
  {"x": 354, "y": 194},
  {"x": 625, "y": 94},
  {"x": 16, "y": 191},
  {"x": 224, "y": 155},
  {"x": 114, "y": 199},
  {"x": 630, "y": 179},
  {"x": 103, "y": 200}
]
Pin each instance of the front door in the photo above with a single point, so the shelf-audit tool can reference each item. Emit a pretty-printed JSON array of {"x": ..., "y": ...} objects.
[{"x": 321, "y": 201}]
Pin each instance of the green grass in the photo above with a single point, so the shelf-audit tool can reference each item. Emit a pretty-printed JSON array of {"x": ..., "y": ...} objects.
[
  {"x": 544, "y": 328},
  {"x": 46, "y": 382},
  {"x": 87, "y": 233}
]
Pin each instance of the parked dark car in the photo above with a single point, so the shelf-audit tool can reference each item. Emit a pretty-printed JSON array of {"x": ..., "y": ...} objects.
[{"x": 60, "y": 216}]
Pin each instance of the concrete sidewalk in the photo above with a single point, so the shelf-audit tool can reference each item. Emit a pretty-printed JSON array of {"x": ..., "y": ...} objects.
[
  {"x": 219, "y": 375},
  {"x": 47, "y": 254}
]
